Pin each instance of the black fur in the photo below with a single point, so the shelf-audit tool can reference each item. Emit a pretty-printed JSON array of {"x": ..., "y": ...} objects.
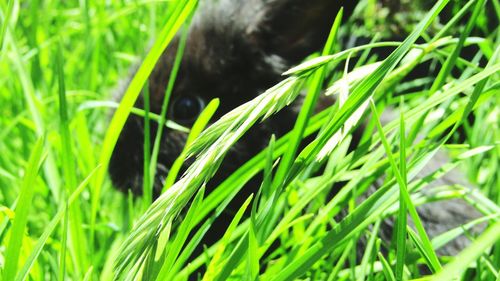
[{"x": 231, "y": 53}]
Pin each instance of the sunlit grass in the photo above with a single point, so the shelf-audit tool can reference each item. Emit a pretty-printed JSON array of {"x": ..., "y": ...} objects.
[{"x": 60, "y": 219}]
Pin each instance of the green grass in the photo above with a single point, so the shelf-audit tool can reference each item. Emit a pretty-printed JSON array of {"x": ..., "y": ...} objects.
[{"x": 60, "y": 218}]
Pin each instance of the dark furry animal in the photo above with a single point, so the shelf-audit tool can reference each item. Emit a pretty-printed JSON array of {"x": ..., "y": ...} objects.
[
  {"x": 233, "y": 53},
  {"x": 235, "y": 50}
]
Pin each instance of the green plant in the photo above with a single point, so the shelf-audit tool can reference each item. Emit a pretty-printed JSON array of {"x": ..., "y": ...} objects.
[{"x": 60, "y": 218}]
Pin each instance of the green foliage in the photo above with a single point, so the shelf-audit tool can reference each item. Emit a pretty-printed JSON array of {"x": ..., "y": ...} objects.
[{"x": 60, "y": 219}]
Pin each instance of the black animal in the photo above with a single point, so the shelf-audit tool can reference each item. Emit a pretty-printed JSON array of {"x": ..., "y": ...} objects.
[{"x": 235, "y": 50}]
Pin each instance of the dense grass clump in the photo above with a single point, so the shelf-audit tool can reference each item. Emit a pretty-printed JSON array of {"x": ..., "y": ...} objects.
[{"x": 315, "y": 215}]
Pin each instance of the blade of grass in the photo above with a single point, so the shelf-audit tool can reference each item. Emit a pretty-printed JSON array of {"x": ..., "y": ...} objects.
[
  {"x": 452, "y": 234},
  {"x": 306, "y": 109},
  {"x": 252, "y": 265},
  {"x": 340, "y": 263},
  {"x": 434, "y": 265},
  {"x": 402, "y": 216},
  {"x": 265, "y": 189},
  {"x": 5, "y": 23},
  {"x": 462, "y": 261},
  {"x": 180, "y": 238},
  {"x": 137, "y": 111},
  {"x": 33, "y": 105},
  {"x": 199, "y": 125},
  {"x": 37, "y": 249},
  {"x": 78, "y": 243},
  {"x": 388, "y": 273},
  {"x": 370, "y": 249},
  {"x": 181, "y": 263},
  {"x": 419, "y": 245},
  {"x": 181, "y": 12},
  {"x": 166, "y": 99},
  {"x": 216, "y": 267},
  {"x": 147, "y": 186},
  {"x": 64, "y": 245},
  {"x": 21, "y": 212}
]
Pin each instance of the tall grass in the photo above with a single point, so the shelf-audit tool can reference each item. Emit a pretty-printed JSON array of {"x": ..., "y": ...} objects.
[{"x": 61, "y": 219}]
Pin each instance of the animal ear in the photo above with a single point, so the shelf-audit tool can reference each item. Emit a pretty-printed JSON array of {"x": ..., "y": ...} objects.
[{"x": 291, "y": 29}]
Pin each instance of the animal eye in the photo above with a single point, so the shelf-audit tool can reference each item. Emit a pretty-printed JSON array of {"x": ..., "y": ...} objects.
[{"x": 185, "y": 109}]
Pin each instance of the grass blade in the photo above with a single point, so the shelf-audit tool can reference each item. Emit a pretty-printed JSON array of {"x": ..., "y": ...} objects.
[
  {"x": 427, "y": 246},
  {"x": 23, "y": 273},
  {"x": 21, "y": 212},
  {"x": 200, "y": 124},
  {"x": 307, "y": 108},
  {"x": 462, "y": 261},
  {"x": 402, "y": 219},
  {"x": 182, "y": 11},
  {"x": 78, "y": 244}
]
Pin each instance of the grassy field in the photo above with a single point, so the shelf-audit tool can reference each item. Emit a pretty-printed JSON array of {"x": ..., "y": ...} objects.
[{"x": 60, "y": 218}]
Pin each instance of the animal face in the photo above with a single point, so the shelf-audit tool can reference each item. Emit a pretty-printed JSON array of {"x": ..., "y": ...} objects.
[{"x": 234, "y": 51}]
